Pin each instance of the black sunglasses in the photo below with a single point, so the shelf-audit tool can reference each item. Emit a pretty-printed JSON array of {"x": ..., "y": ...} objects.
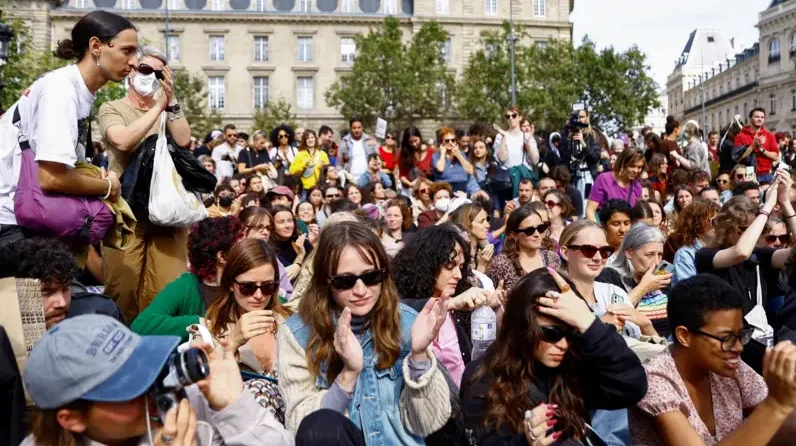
[
  {"x": 784, "y": 239},
  {"x": 249, "y": 288},
  {"x": 347, "y": 281},
  {"x": 541, "y": 229},
  {"x": 722, "y": 181},
  {"x": 740, "y": 176},
  {"x": 511, "y": 115},
  {"x": 553, "y": 334},
  {"x": 590, "y": 250},
  {"x": 333, "y": 196},
  {"x": 146, "y": 70},
  {"x": 259, "y": 228},
  {"x": 388, "y": 137},
  {"x": 450, "y": 140},
  {"x": 281, "y": 135}
]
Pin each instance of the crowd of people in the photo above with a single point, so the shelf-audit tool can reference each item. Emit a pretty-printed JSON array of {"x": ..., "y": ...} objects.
[{"x": 643, "y": 287}]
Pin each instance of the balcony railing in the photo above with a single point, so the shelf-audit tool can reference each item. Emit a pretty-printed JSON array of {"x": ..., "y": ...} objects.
[{"x": 360, "y": 7}]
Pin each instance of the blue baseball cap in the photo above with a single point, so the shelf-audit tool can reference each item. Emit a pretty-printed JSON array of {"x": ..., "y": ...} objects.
[{"x": 95, "y": 358}]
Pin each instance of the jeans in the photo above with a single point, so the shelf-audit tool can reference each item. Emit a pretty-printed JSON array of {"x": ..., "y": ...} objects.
[
  {"x": 768, "y": 178},
  {"x": 10, "y": 234},
  {"x": 612, "y": 426}
]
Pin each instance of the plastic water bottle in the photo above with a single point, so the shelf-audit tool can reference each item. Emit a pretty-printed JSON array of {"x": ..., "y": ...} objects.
[{"x": 483, "y": 329}]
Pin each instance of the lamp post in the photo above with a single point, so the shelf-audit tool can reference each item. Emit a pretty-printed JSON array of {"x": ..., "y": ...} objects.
[
  {"x": 512, "y": 40},
  {"x": 6, "y": 34}
]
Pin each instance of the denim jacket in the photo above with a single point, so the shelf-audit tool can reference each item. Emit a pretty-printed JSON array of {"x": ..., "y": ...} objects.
[{"x": 374, "y": 409}]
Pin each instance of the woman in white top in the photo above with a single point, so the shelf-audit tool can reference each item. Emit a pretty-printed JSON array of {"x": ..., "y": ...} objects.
[
  {"x": 516, "y": 149},
  {"x": 50, "y": 114}
]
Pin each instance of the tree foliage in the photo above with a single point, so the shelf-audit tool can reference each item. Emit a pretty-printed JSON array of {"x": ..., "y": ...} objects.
[
  {"x": 190, "y": 90},
  {"x": 273, "y": 114},
  {"x": 616, "y": 86},
  {"x": 397, "y": 81}
]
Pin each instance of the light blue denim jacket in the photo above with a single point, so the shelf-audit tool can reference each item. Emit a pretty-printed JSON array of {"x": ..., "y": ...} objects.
[
  {"x": 685, "y": 262},
  {"x": 374, "y": 408}
]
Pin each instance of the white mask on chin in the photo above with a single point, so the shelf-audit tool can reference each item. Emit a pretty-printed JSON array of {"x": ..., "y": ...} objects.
[{"x": 145, "y": 85}]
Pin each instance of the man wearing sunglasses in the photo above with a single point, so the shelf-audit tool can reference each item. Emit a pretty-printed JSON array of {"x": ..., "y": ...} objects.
[
  {"x": 777, "y": 236},
  {"x": 156, "y": 255}
]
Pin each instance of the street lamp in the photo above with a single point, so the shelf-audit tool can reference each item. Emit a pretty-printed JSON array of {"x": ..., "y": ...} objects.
[
  {"x": 6, "y": 34},
  {"x": 512, "y": 41}
]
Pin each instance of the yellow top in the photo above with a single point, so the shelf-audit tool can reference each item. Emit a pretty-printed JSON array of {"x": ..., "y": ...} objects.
[{"x": 308, "y": 167}]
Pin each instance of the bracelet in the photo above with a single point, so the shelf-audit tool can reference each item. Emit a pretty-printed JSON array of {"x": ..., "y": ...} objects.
[
  {"x": 110, "y": 186},
  {"x": 790, "y": 216},
  {"x": 764, "y": 212}
]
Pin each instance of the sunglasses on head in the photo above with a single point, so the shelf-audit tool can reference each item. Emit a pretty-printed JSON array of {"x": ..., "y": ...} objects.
[
  {"x": 784, "y": 239},
  {"x": 511, "y": 115},
  {"x": 541, "y": 229},
  {"x": 249, "y": 288},
  {"x": 553, "y": 334},
  {"x": 146, "y": 70},
  {"x": 347, "y": 281},
  {"x": 590, "y": 250},
  {"x": 551, "y": 204}
]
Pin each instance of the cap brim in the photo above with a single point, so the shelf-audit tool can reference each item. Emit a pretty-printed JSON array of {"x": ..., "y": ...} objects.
[{"x": 138, "y": 373}]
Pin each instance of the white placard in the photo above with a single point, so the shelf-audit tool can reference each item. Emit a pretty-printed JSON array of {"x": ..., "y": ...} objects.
[{"x": 381, "y": 128}]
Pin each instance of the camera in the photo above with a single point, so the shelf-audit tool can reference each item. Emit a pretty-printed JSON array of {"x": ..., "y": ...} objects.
[
  {"x": 181, "y": 370},
  {"x": 574, "y": 122}
]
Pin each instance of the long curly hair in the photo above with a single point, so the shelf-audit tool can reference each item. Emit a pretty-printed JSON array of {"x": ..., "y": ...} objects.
[
  {"x": 510, "y": 359},
  {"x": 415, "y": 268},
  {"x": 319, "y": 310},
  {"x": 245, "y": 256},
  {"x": 694, "y": 222},
  {"x": 209, "y": 237},
  {"x": 291, "y": 135}
]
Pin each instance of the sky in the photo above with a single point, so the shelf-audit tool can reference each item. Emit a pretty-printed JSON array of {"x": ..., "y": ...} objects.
[{"x": 661, "y": 28}]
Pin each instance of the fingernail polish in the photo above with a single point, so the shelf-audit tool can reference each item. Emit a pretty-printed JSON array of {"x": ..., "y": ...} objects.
[
  {"x": 552, "y": 423},
  {"x": 556, "y": 435},
  {"x": 550, "y": 413}
]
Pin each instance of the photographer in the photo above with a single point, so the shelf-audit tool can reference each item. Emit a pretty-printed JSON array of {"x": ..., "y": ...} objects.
[
  {"x": 580, "y": 149},
  {"x": 105, "y": 395}
]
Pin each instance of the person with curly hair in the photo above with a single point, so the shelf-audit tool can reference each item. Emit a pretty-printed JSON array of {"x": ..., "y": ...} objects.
[
  {"x": 184, "y": 301},
  {"x": 51, "y": 263},
  {"x": 694, "y": 231},
  {"x": 552, "y": 358},
  {"x": 283, "y": 151}
]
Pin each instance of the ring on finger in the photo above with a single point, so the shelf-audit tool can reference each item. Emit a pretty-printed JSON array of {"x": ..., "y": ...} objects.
[
  {"x": 565, "y": 288},
  {"x": 530, "y": 431},
  {"x": 169, "y": 439}
]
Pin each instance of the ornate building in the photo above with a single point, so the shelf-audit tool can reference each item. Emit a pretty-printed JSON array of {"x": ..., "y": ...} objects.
[
  {"x": 251, "y": 51},
  {"x": 763, "y": 75}
]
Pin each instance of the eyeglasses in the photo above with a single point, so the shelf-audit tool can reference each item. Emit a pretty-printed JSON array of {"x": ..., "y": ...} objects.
[
  {"x": 281, "y": 135},
  {"x": 529, "y": 231},
  {"x": 146, "y": 70},
  {"x": 249, "y": 288},
  {"x": 347, "y": 281},
  {"x": 728, "y": 342},
  {"x": 590, "y": 250},
  {"x": 423, "y": 191},
  {"x": 259, "y": 228},
  {"x": 553, "y": 334},
  {"x": 511, "y": 115},
  {"x": 388, "y": 137},
  {"x": 784, "y": 239},
  {"x": 740, "y": 176},
  {"x": 333, "y": 196},
  {"x": 551, "y": 204},
  {"x": 449, "y": 140},
  {"x": 722, "y": 181}
]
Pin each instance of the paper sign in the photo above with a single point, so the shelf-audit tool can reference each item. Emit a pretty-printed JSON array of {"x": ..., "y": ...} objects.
[{"x": 381, "y": 128}]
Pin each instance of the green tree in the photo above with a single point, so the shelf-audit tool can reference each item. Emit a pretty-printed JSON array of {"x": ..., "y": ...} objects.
[
  {"x": 273, "y": 114},
  {"x": 190, "y": 90},
  {"x": 550, "y": 78},
  {"x": 397, "y": 81}
]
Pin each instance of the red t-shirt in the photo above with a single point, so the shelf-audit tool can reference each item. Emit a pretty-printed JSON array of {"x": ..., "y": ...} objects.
[
  {"x": 388, "y": 158},
  {"x": 423, "y": 166},
  {"x": 747, "y": 138}
]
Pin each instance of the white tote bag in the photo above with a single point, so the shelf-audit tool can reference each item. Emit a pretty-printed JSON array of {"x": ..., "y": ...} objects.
[{"x": 170, "y": 204}]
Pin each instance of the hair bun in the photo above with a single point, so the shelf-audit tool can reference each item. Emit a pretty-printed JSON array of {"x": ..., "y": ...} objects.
[{"x": 65, "y": 50}]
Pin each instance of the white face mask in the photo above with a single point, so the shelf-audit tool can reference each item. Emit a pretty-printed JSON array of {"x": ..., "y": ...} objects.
[
  {"x": 145, "y": 85},
  {"x": 442, "y": 204}
]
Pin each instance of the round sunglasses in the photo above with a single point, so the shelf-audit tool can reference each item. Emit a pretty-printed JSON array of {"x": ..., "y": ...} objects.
[
  {"x": 345, "y": 282},
  {"x": 249, "y": 288}
]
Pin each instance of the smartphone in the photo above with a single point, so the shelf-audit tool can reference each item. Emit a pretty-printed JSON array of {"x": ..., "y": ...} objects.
[
  {"x": 750, "y": 173},
  {"x": 664, "y": 268}
]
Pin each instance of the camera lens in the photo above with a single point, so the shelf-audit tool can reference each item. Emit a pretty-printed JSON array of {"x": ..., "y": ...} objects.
[{"x": 192, "y": 366}]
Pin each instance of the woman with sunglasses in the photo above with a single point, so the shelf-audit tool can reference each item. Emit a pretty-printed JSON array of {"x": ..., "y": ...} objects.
[
  {"x": 560, "y": 210},
  {"x": 723, "y": 182},
  {"x": 552, "y": 364},
  {"x": 357, "y": 354},
  {"x": 586, "y": 251},
  {"x": 622, "y": 183},
  {"x": 700, "y": 391},
  {"x": 516, "y": 151},
  {"x": 387, "y": 154},
  {"x": 290, "y": 247},
  {"x": 738, "y": 175},
  {"x": 450, "y": 164},
  {"x": 422, "y": 198},
  {"x": 246, "y": 315},
  {"x": 523, "y": 250},
  {"x": 283, "y": 152}
]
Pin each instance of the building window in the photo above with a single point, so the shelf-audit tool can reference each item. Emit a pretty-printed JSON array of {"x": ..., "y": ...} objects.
[
  {"x": 444, "y": 97},
  {"x": 80, "y": 4},
  {"x": 390, "y": 7},
  {"x": 490, "y": 6},
  {"x": 128, "y": 4},
  {"x": 305, "y": 5},
  {"x": 542, "y": 44},
  {"x": 793, "y": 100},
  {"x": 261, "y": 5},
  {"x": 304, "y": 93},
  {"x": 260, "y": 91},
  {"x": 793, "y": 45},
  {"x": 174, "y": 4},
  {"x": 348, "y": 49},
  {"x": 217, "y": 5},
  {"x": 261, "y": 48},
  {"x": 745, "y": 109},
  {"x": 215, "y": 89},
  {"x": 349, "y": 6},
  {"x": 773, "y": 51},
  {"x": 443, "y": 7},
  {"x": 447, "y": 52},
  {"x": 772, "y": 105},
  {"x": 173, "y": 48},
  {"x": 304, "y": 49},
  {"x": 720, "y": 113},
  {"x": 539, "y": 8},
  {"x": 216, "y": 48}
]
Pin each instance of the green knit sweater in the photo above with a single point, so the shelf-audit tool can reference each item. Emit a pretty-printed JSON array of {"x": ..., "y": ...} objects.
[{"x": 177, "y": 306}]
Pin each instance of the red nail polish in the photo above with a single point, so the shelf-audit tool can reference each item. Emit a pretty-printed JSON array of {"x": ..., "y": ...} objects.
[
  {"x": 556, "y": 435},
  {"x": 552, "y": 423},
  {"x": 550, "y": 413}
]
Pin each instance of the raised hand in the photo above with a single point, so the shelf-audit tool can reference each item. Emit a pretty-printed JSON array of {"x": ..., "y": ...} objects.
[
  {"x": 565, "y": 305},
  {"x": 251, "y": 324},
  {"x": 346, "y": 343},
  {"x": 426, "y": 327},
  {"x": 224, "y": 383},
  {"x": 779, "y": 364},
  {"x": 653, "y": 282}
]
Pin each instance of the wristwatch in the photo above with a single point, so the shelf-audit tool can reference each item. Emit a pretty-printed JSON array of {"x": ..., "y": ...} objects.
[{"x": 173, "y": 108}]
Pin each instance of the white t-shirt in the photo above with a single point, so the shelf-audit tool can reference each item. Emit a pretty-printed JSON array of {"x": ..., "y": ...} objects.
[
  {"x": 359, "y": 158},
  {"x": 224, "y": 169},
  {"x": 51, "y": 113},
  {"x": 515, "y": 146}
]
